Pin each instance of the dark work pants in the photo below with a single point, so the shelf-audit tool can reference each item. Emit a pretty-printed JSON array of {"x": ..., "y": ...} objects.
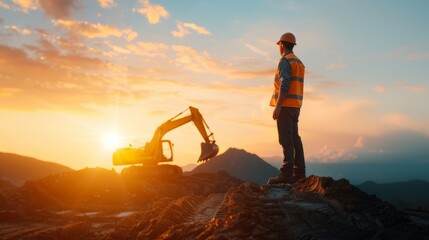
[{"x": 293, "y": 151}]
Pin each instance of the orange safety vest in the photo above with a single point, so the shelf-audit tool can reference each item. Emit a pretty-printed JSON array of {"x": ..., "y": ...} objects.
[{"x": 296, "y": 91}]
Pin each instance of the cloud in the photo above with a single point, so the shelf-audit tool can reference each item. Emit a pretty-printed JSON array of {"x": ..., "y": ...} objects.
[
  {"x": 191, "y": 59},
  {"x": 117, "y": 49},
  {"x": 16, "y": 29},
  {"x": 59, "y": 9},
  {"x": 107, "y": 3},
  {"x": 53, "y": 81},
  {"x": 335, "y": 66},
  {"x": 332, "y": 154},
  {"x": 94, "y": 30},
  {"x": 197, "y": 29},
  {"x": 253, "y": 74},
  {"x": 380, "y": 89},
  {"x": 413, "y": 89},
  {"x": 150, "y": 49},
  {"x": 183, "y": 29},
  {"x": 152, "y": 12},
  {"x": 399, "y": 121},
  {"x": 24, "y": 5},
  {"x": 255, "y": 49},
  {"x": 51, "y": 42},
  {"x": 4, "y": 5}
]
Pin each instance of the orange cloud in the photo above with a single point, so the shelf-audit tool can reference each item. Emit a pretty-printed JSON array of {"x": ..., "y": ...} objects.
[
  {"x": 4, "y": 5},
  {"x": 253, "y": 74},
  {"x": 380, "y": 89},
  {"x": 152, "y": 12},
  {"x": 53, "y": 81},
  {"x": 107, "y": 3},
  {"x": 58, "y": 9},
  {"x": 16, "y": 29},
  {"x": 191, "y": 59},
  {"x": 183, "y": 30},
  {"x": 94, "y": 30},
  {"x": 197, "y": 29},
  {"x": 150, "y": 49},
  {"x": 25, "y": 5}
]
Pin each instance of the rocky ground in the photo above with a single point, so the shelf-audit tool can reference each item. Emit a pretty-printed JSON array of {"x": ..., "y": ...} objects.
[{"x": 103, "y": 205}]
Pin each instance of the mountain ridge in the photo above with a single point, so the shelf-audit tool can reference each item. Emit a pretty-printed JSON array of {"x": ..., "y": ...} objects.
[
  {"x": 240, "y": 164},
  {"x": 407, "y": 194},
  {"x": 18, "y": 168}
]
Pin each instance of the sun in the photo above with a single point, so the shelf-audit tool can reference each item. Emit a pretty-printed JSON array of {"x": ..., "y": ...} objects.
[{"x": 111, "y": 139}]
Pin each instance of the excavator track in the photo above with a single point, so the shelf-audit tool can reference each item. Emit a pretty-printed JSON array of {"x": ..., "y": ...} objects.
[{"x": 154, "y": 171}]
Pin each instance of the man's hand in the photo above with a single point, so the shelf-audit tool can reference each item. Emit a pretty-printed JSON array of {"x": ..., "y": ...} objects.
[{"x": 276, "y": 112}]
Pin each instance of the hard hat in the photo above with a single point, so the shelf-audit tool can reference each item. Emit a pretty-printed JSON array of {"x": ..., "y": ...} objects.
[{"x": 287, "y": 37}]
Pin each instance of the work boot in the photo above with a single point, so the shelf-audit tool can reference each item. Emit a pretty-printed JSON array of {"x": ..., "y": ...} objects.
[
  {"x": 298, "y": 174},
  {"x": 281, "y": 178},
  {"x": 298, "y": 177}
]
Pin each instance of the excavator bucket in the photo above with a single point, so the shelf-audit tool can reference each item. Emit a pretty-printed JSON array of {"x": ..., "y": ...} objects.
[{"x": 208, "y": 150}]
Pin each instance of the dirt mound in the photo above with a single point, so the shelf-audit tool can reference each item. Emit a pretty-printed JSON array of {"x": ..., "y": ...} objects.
[
  {"x": 101, "y": 187},
  {"x": 314, "y": 208},
  {"x": 102, "y": 205}
]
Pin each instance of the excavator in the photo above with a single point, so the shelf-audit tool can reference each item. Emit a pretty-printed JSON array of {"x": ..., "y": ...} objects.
[{"x": 153, "y": 152}]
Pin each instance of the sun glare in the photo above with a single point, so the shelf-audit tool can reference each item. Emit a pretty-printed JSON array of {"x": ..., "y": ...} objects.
[{"x": 111, "y": 140}]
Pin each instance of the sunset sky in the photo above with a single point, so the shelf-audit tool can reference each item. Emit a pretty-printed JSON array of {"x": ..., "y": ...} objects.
[{"x": 76, "y": 73}]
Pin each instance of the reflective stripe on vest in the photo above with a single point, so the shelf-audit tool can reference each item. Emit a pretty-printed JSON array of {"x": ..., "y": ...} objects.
[{"x": 296, "y": 91}]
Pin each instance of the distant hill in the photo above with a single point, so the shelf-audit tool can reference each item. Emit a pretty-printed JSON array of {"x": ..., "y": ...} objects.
[
  {"x": 410, "y": 194},
  {"x": 18, "y": 169},
  {"x": 240, "y": 164},
  {"x": 189, "y": 167}
]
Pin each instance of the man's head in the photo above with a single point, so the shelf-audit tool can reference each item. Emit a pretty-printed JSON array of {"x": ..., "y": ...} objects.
[{"x": 286, "y": 43}]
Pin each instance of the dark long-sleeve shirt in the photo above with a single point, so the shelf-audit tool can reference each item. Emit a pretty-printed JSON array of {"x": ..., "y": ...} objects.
[{"x": 284, "y": 73}]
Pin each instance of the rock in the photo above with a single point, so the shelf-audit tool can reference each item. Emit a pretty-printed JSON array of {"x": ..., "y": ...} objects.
[{"x": 90, "y": 204}]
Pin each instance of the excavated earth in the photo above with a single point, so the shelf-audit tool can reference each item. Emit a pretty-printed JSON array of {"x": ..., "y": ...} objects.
[{"x": 103, "y": 205}]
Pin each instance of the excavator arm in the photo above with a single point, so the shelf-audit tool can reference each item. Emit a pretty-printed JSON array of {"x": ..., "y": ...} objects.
[{"x": 209, "y": 148}]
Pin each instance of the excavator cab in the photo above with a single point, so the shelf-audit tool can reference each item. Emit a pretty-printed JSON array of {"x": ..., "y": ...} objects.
[
  {"x": 208, "y": 150},
  {"x": 130, "y": 155}
]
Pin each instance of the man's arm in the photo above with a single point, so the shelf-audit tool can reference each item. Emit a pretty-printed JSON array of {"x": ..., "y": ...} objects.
[{"x": 284, "y": 72}]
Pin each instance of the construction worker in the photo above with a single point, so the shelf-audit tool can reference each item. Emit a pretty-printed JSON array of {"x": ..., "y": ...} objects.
[{"x": 287, "y": 100}]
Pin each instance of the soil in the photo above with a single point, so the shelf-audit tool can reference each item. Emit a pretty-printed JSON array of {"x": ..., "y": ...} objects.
[{"x": 102, "y": 205}]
